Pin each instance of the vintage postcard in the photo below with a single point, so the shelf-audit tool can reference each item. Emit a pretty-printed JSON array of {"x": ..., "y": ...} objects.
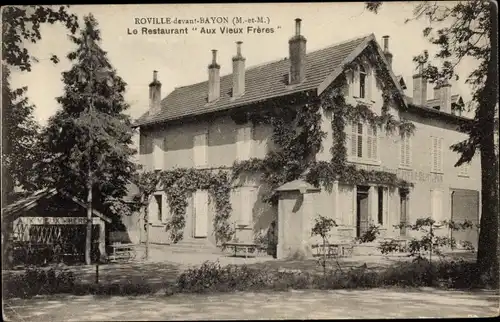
[{"x": 250, "y": 161}]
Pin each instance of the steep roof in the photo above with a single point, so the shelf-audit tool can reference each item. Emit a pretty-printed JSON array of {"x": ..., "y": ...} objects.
[{"x": 261, "y": 82}]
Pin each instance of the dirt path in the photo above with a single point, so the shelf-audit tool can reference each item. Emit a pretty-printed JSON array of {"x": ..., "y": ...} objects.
[{"x": 375, "y": 303}]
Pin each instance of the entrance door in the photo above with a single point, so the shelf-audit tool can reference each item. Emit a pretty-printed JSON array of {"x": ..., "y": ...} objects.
[
  {"x": 201, "y": 213},
  {"x": 465, "y": 206},
  {"x": 403, "y": 216},
  {"x": 362, "y": 221}
]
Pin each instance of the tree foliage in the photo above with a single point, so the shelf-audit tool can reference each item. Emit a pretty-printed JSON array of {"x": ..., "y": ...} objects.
[
  {"x": 21, "y": 24},
  {"x": 91, "y": 119},
  {"x": 460, "y": 30}
]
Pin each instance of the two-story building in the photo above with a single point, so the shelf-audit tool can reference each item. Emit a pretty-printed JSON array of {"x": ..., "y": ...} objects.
[{"x": 194, "y": 127}]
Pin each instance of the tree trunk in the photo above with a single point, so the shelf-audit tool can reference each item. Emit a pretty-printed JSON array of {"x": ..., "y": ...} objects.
[
  {"x": 88, "y": 237},
  {"x": 146, "y": 222},
  {"x": 487, "y": 256}
]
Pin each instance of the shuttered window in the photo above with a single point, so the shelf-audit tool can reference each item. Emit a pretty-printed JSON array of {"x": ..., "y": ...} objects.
[
  {"x": 437, "y": 205},
  {"x": 463, "y": 170},
  {"x": 363, "y": 142},
  {"x": 405, "y": 151},
  {"x": 200, "y": 150},
  {"x": 244, "y": 139},
  {"x": 247, "y": 198},
  {"x": 371, "y": 142},
  {"x": 158, "y": 153},
  {"x": 437, "y": 154},
  {"x": 201, "y": 213}
]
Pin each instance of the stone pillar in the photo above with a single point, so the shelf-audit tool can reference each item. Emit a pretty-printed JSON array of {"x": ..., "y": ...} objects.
[
  {"x": 281, "y": 229},
  {"x": 373, "y": 205}
]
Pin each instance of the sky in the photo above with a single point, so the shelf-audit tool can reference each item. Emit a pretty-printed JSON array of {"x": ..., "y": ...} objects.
[{"x": 183, "y": 59}]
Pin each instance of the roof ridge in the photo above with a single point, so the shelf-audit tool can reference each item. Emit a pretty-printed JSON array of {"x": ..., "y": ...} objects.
[{"x": 286, "y": 58}]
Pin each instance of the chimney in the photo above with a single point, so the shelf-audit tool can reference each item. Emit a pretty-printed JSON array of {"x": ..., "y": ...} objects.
[
  {"x": 420, "y": 87},
  {"x": 213, "y": 78},
  {"x": 387, "y": 53},
  {"x": 297, "y": 48},
  {"x": 437, "y": 91},
  {"x": 445, "y": 96},
  {"x": 155, "y": 94},
  {"x": 238, "y": 72}
]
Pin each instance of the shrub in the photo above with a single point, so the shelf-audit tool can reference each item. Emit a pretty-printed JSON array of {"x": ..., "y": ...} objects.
[
  {"x": 36, "y": 281},
  {"x": 210, "y": 276},
  {"x": 370, "y": 235}
]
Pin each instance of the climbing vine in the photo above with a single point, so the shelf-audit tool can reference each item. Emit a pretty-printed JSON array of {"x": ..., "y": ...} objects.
[
  {"x": 298, "y": 143},
  {"x": 180, "y": 183},
  {"x": 297, "y": 137}
]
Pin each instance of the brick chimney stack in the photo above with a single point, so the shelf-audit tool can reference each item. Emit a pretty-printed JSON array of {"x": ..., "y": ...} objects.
[
  {"x": 155, "y": 94},
  {"x": 297, "y": 48},
  {"x": 238, "y": 72},
  {"x": 445, "y": 96},
  {"x": 213, "y": 78},
  {"x": 387, "y": 53},
  {"x": 420, "y": 87}
]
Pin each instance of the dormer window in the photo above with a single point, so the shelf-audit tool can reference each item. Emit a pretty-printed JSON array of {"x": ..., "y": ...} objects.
[{"x": 362, "y": 82}]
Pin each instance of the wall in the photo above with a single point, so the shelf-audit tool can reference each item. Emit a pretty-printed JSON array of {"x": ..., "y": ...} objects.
[
  {"x": 389, "y": 160},
  {"x": 176, "y": 145}
]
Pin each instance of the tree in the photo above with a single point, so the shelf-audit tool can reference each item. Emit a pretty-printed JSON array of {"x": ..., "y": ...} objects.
[
  {"x": 19, "y": 25},
  {"x": 469, "y": 29},
  {"x": 88, "y": 142},
  {"x": 322, "y": 227}
]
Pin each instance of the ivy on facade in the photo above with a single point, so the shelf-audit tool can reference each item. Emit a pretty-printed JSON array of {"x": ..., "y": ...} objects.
[
  {"x": 297, "y": 148},
  {"x": 181, "y": 183},
  {"x": 297, "y": 138}
]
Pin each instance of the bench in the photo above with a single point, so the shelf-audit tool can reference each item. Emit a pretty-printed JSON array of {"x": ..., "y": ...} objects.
[
  {"x": 121, "y": 252},
  {"x": 247, "y": 248},
  {"x": 333, "y": 250}
]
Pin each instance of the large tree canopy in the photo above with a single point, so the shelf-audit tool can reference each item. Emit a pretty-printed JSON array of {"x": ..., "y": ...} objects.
[
  {"x": 91, "y": 120},
  {"x": 469, "y": 29},
  {"x": 20, "y": 25}
]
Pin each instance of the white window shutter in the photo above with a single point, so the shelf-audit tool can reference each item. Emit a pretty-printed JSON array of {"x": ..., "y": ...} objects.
[
  {"x": 369, "y": 142},
  {"x": 201, "y": 213},
  {"x": 408, "y": 151},
  {"x": 247, "y": 200},
  {"x": 437, "y": 204},
  {"x": 157, "y": 153},
  {"x": 354, "y": 140},
  {"x": 200, "y": 150},
  {"x": 374, "y": 143},
  {"x": 434, "y": 159},
  {"x": 440, "y": 153}
]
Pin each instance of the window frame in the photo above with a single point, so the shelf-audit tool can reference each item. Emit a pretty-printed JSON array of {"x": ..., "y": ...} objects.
[
  {"x": 197, "y": 148},
  {"x": 360, "y": 141},
  {"x": 436, "y": 154},
  {"x": 405, "y": 151}
]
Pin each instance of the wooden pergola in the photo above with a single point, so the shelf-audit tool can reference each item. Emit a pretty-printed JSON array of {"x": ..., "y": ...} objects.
[{"x": 51, "y": 221}]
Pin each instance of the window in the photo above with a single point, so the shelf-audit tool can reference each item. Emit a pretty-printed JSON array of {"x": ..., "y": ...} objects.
[
  {"x": 362, "y": 81},
  {"x": 364, "y": 142},
  {"x": 463, "y": 170},
  {"x": 405, "y": 151},
  {"x": 159, "y": 203},
  {"x": 158, "y": 153},
  {"x": 247, "y": 199},
  {"x": 244, "y": 139},
  {"x": 371, "y": 142},
  {"x": 200, "y": 150},
  {"x": 437, "y": 154},
  {"x": 201, "y": 213}
]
